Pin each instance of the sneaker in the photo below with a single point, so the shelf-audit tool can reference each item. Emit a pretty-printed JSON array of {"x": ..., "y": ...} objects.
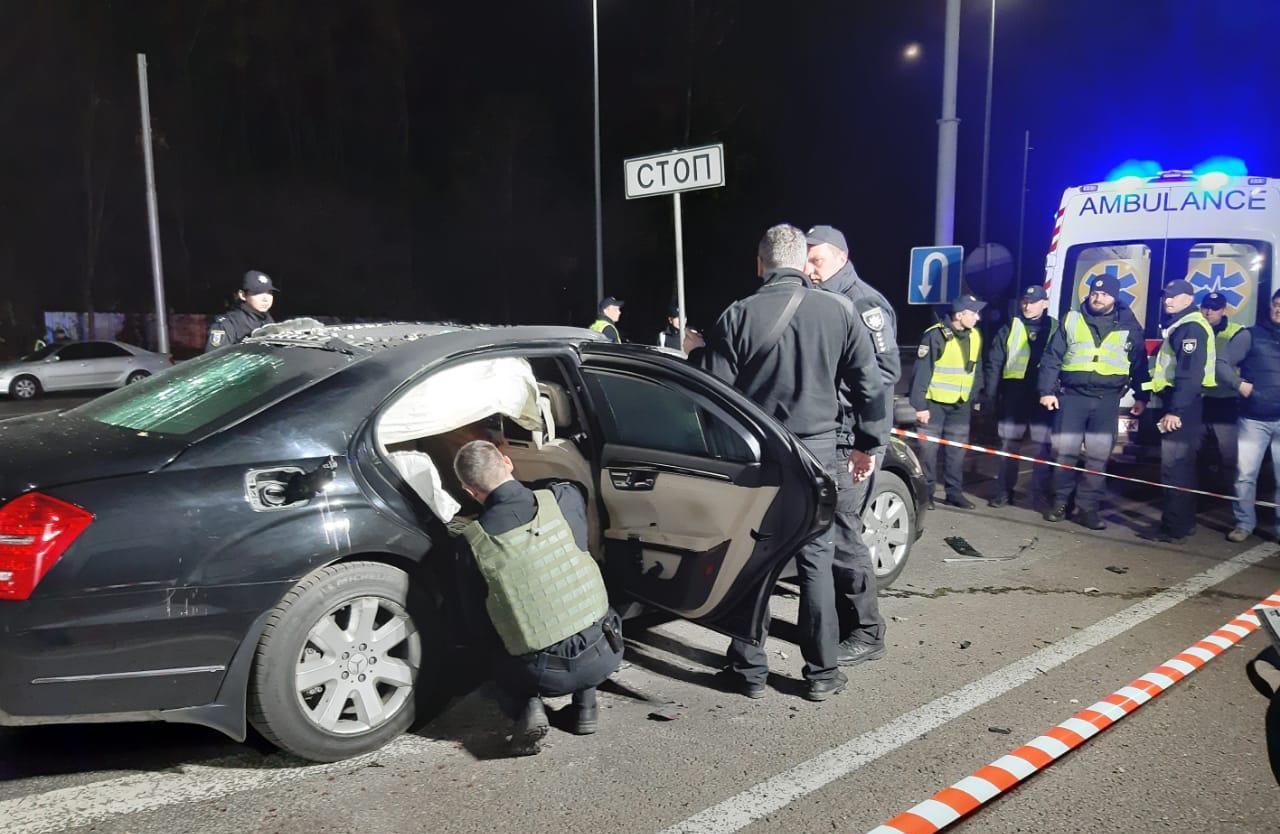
[
  {"x": 530, "y": 729},
  {"x": 728, "y": 680},
  {"x": 824, "y": 689},
  {"x": 852, "y": 652},
  {"x": 1239, "y": 534},
  {"x": 1058, "y": 513},
  {"x": 1092, "y": 520}
]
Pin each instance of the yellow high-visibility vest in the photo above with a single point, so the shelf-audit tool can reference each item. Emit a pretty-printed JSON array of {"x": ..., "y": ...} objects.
[{"x": 952, "y": 379}]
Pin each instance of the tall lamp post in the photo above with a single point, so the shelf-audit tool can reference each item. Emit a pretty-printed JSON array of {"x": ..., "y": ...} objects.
[
  {"x": 986, "y": 127},
  {"x": 595, "y": 98}
]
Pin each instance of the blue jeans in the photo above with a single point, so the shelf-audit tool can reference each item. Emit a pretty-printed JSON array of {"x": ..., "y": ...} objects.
[{"x": 1254, "y": 438}]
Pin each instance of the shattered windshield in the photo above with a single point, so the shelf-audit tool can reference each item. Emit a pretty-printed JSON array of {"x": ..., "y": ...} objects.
[{"x": 215, "y": 387}]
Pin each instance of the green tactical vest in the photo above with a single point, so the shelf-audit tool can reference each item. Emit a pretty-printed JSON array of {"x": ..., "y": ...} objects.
[
  {"x": 1017, "y": 348},
  {"x": 1167, "y": 360},
  {"x": 952, "y": 382},
  {"x": 1085, "y": 355},
  {"x": 542, "y": 588},
  {"x": 1224, "y": 337}
]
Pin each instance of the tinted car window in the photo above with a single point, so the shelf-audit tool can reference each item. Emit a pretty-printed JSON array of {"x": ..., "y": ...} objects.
[
  {"x": 216, "y": 387},
  {"x": 648, "y": 415}
]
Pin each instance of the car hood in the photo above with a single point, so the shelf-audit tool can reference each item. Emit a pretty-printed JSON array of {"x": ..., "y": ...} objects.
[{"x": 51, "y": 449}]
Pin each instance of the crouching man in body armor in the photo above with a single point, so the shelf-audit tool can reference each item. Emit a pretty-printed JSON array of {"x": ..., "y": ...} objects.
[{"x": 549, "y": 620}]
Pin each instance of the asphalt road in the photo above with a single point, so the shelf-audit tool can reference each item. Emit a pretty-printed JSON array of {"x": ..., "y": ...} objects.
[{"x": 1018, "y": 645}]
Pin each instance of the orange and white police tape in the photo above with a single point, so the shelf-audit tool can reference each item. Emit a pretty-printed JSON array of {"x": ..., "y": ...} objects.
[
  {"x": 973, "y": 447},
  {"x": 972, "y": 792}
]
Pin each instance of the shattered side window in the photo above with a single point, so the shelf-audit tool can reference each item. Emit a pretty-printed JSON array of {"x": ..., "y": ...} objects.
[{"x": 196, "y": 394}]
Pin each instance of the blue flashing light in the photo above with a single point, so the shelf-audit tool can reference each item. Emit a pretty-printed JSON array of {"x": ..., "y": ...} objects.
[
  {"x": 1214, "y": 180},
  {"x": 1130, "y": 182},
  {"x": 1137, "y": 168},
  {"x": 1226, "y": 166}
]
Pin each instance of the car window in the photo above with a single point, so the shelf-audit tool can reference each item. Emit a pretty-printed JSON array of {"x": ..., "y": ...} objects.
[
  {"x": 43, "y": 353},
  {"x": 217, "y": 387},
  {"x": 649, "y": 415}
]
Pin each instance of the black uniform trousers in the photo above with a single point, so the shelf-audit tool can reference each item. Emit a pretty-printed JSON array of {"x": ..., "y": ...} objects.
[
  {"x": 1219, "y": 443},
  {"x": 857, "y": 600},
  {"x": 1091, "y": 422},
  {"x": 950, "y": 422},
  {"x": 818, "y": 624},
  {"x": 1020, "y": 413},
  {"x": 575, "y": 665},
  {"x": 1178, "y": 469}
]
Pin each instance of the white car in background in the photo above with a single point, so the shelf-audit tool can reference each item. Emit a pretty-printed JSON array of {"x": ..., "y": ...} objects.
[{"x": 71, "y": 366}]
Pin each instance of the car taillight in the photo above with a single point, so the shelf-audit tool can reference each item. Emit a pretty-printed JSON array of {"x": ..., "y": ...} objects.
[{"x": 35, "y": 530}]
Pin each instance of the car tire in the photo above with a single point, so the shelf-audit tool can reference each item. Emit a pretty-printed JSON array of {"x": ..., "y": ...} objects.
[
  {"x": 136, "y": 376},
  {"x": 25, "y": 387},
  {"x": 326, "y": 628},
  {"x": 890, "y": 521}
]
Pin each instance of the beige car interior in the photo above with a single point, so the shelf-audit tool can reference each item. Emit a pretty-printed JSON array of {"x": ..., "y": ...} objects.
[{"x": 502, "y": 401}]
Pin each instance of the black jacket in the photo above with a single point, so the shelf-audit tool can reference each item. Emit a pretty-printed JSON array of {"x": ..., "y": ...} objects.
[
  {"x": 797, "y": 381},
  {"x": 1089, "y": 384},
  {"x": 1256, "y": 351},
  {"x": 1191, "y": 349},
  {"x": 670, "y": 338},
  {"x": 993, "y": 371},
  {"x": 931, "y": 345},
  {"x": 508, "y": 507},
  {"x": 881, "y": 322},
  {"x": 234, "y": 326}
]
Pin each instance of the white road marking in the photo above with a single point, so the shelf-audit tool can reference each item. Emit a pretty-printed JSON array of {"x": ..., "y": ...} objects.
[
  {"x": 757, "y": 802},
  {"x": 82, "y": 805}
]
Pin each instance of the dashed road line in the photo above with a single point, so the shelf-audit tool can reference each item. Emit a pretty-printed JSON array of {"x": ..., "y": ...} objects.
[{"x": 758, "y": 801}]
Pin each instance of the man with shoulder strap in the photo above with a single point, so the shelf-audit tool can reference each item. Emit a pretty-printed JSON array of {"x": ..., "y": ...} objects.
[
  {"x": 607, "y": 315},
  {"x": 549, "y": 623},
  {"x": 1097, "y": 354},
  {"x": 1185, "y": 366},
  {"x": 1012, "y": 371},
  {"x": 862, "y": 627},
  {"x": 943, "y": 383},
  {"x": 791, "y": 350},
  {"x": 1218, "y": 454}
]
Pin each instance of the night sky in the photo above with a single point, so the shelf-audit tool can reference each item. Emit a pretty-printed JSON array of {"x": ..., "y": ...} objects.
[{"x": 429, "y": 161}]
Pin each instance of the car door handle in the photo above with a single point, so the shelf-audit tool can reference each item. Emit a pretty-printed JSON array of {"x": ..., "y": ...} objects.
[{"x": 633, "y": 480}]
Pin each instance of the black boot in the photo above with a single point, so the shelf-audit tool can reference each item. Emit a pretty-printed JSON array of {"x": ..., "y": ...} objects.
[
  {"x": 584, "y": 712},
  {"x": 530, "y": 728},
  {"x": 1058, "y": 513}
]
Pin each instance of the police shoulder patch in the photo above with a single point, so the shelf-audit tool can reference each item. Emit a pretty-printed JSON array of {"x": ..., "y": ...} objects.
[
  {"x": 1189, "y": 345},
  {"x": 873, "y": 318},
  {"x": 217, "y": 337},
  {"x": 922, "y": 351}
]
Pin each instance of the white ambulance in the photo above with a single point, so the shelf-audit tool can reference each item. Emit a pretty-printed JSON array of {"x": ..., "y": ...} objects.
[{"x": 1217, "y": 231}]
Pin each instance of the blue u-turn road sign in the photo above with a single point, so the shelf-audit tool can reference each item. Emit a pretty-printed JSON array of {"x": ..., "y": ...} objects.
[{"x": 935, "y": 274}]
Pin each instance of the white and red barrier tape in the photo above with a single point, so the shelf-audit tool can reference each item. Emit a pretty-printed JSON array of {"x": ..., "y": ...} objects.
[
  {"x": 973, "y": 447},
  {"x": 950, "y": 804}
]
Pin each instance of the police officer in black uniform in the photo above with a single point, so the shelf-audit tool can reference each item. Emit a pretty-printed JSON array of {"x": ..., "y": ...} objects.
[
  {"x": 1221, "y": 410},
  {"x": 1185, "y": 366},
  {"x": 857, "y": 604},
  {"x": 1012, "y": 372},
  {"x": 791, "y": 349},
  {"x": 256, "y": 295}
]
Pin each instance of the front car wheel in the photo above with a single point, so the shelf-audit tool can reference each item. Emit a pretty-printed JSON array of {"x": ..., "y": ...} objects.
[{"x": 890, "y": 521}]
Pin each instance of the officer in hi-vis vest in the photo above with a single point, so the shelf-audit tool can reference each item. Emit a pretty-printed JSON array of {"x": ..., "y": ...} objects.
[
  {"x": 1185, "y": 366},
  {"x": 543, "y": 593},
  {"x": 943, "y": 383},
  {"x": 1012, "y": 372},
  {"x": 607, "y": 315},
  {"x": 1097, "y": 354},
  {"x": 1221, "y": 403}
]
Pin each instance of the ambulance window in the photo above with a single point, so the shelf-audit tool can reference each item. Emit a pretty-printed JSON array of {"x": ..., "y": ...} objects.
[
  {"x": 1129, "y": 262},
  {"x": 1239, "y": 269}
]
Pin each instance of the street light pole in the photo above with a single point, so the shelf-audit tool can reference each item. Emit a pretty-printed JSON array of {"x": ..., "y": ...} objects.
[
  {"x": 595, "y": 96},
  {"x": 153, "y": 215},
  {"x": 986, "y": 129},
  {"x": 944, "y": 222},
  {"x": 1022, "y": 207}
]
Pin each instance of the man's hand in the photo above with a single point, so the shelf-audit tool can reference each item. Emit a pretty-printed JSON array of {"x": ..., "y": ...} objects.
[
  {"x": 861, "y": 465},
  {"x": 1246, "y": 388},
  {"x": 1170, "y": 422},
  {"x": 922, "y": 417},
  {"x": 1138, "y": 407},
  {"x": 1050, "y": 402},
  {"x": 693, "y": 340}
]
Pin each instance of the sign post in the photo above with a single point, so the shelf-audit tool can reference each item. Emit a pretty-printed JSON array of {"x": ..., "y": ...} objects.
[{"x": 674, "y": 172}]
